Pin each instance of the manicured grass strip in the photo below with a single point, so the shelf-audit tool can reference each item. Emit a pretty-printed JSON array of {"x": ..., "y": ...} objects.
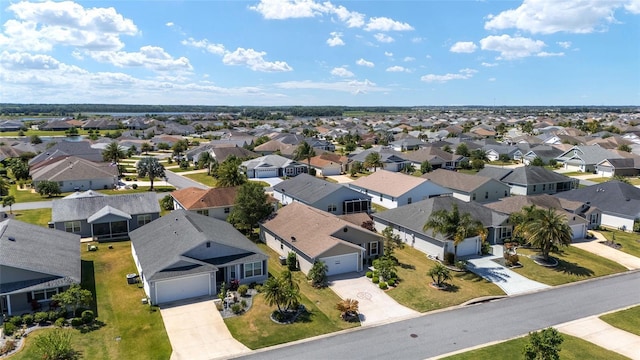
[
  {"x": 29, "y": 196},
  {"x": 414, "y": 291},
  {"x": 203, "y": 178},
  {"x": 574, "y": 265},
  {"x": 36, "y": 216},
  {"x": 630, "y": 241},
  {"x": 256, "y": 330},
  {"x": 627, "y": 320},
  {"x": 138, "y": 327},
  {"x": 140, "y": 189},
  {"x": 631, "y": 180},
  {"x": 572, "y": 348}
]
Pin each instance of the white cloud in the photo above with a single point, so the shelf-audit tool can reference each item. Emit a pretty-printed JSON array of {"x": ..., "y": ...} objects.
[
  {"x": 286, "y": 9},
  {"x": 254, "y": 60},
  {"x": 386, "y": 24},
  {"x": 217, "y": 49},
  {"x": 169, "y": 24},
  {"x": 564, "y": 44},
  {"x": 23, "y": 60},
  {"x": 335, "y": 39},
  {"x": 409, "y": 59},
  {"x": 492, "y": 79},
  {"x": 388, "y": 53},
  {"x": 341, "y": 72},
  {"x": 512, "y": 47},
  {"x": 416, "y": 40},
  {"x": 486, "y": 64},
  {"x": 363, "y": 62},
  {"x": 383, "y": 38},
  {"x": 151, "y": 57},
  {"x": 551, "y": 16},
  {"x": 463, "y": 47},
  {"x": 548, "y": 54},
  {"x": 397, "y": 69},
  {"x": 463, "y": 74},
  {"x": 351, "y": 86},
  {"x": 42, "y": 26},
  {"x": 351, "y": 18}
]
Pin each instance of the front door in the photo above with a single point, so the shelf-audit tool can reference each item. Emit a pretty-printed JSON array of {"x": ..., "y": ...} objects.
[{"x": 3, "y": 305}]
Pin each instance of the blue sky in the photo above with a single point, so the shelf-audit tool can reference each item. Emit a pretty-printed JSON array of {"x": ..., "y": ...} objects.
[{"x": 306, "y": 52}]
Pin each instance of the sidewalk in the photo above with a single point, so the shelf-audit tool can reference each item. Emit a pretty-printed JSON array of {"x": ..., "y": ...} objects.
[
  {"x": 593, "y": 246},
  {"x": 596, "y": 331}
]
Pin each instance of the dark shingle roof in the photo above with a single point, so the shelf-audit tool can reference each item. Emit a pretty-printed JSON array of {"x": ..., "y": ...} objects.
[
  {"x": 83, "y": 208},
  {"x": 309, "y": 189},
  {"x": 614, "y": 197},
  {"x": 161, "y": 244},
  {"x": 533, "y": 175},
  {"x": 80, "y": 149}
]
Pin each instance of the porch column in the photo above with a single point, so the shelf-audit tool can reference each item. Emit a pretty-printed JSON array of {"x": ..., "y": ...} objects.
[{"x": 9, "y": 305}]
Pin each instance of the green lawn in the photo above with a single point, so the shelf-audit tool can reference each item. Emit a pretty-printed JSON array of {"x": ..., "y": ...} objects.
[
  {"x": 140, "y": 189},
  {"x": 139, "y": 327},
  {"x": 189, "y": 168},
  {"x": 627, "y": 320},
  {"x": 414, "y": 290},
  {"x": 574, "y": 173},
  {"x": 631, "y": 180},
  {"x": 256, "y": 330},
  {"x": 574, "y": 265},
  {"x": 572, "y": 348},
  {"x": 378, "y": 208},
  {"x": 36, "y": 216},
  {"x": 202, "y": 178},
  {"x": 29, "y": 196},
  {"x": 630, "y": 241}
]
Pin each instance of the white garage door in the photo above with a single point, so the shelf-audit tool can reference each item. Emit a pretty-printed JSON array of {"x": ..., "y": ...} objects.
[
  {"x": 468, "y": 247},
  {"x": 578, "y": 231},
  {"x": 341, "y": 264},
  {"x": 182, "y": 288},
  {"x": 266, "y": 173}
]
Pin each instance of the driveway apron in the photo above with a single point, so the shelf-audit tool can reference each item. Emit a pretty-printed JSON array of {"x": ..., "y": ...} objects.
[
  {"x": 604, "y": 335},
  {"x": 374, "y": 304},
  {"x": 196, "y": 331},
  {"x": 509, "y": 281},
  {"x": 593, "y": 246}
]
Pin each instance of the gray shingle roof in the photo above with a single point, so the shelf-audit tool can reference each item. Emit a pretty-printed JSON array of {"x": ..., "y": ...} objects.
[
  {"x": 81, "y": 149},
  {"x": 457, "y": 181},
  {"x": 74, "y": 168},
  {"x": 614, "y": 197},
  {"x": 161, "y": 244},
  {"x": 39, "y": 249},
  {"x": 107, "y": 210},
  {"x": 309, "y": 189},
  {"x": 414, "y": 216},
  {"x": 533, "y": 175},
  {"x": 83, "y": 208}
]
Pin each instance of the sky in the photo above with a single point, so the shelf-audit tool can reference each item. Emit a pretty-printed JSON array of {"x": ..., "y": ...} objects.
[{"x": 308, "y": 52}]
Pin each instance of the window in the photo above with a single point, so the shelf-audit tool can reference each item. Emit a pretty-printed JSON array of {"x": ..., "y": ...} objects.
[
  {"x": 544, "y": 187},
  {"x": 486, "y": 194},
  {"x": 534, "y": 187},
  {"x": 144, "y": 219},
  {"x": 253, "y": 269},
  {"x": 332, "y": 208},
  {"x": 409, "y": 201},
  {"x": 43, "y": 295},
  {"x": 72, "y": 226},
  {"x": 208, "y": 244},
  {"x": 204, "y": 212},
  {"x": 473, "y": 197},
  {"x": 506, "y": 193},
  {"x": 373, "y": 248},
  {"x": 227, "y": 210}
]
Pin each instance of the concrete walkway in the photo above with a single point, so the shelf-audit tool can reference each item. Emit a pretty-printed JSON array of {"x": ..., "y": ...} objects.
[
  {"x": 197, "y": 332},
  {"x": 509, "y": 281},
  {"x": 341, "y": 179},
  {"x": 376, "y": 307},
  {"x": 594, "y": 330},
  {"x": 593, "y": 246}
]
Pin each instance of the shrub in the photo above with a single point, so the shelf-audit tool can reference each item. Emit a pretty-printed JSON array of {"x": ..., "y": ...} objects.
[
  {"x": 318, "y": 274},
  {"x": 27, "y": 319},
  {"x": 461, "y": 264},
  {"x": 375, "y": 279},
  {"x": 16, "y": 320},
  {"x": 383, "y": 285},
  {"x": 76, "y": 321},
  {"x": 486, "y": 248},
  {"x": 54, "y": 315},
  {"x": 234, "y": 284},
  {"x": 41, "y": 317},
  {"x": 9, "y": 345},
  {"x": 376, "y": 273},
  {"x": 253, "y": 285},
  {"x": 243, "y": 303},
  {"x": 9, "y": 328},
  {"x": 134, "y": 186},
  {"x": 511, "y": 260},
  {"x": 236, "y": 308},
  {"x": 87, "y": 317},
  {"x": 60, "y": 322},
  {"x": 392, "y": 281},
  {"x": 292, "y": 261},
  {"x": 369, "y": 274},
  {"x": 243, "y": 290},
  {"x": 449, "y": 257},
  {"x": 258, "y": 288}
]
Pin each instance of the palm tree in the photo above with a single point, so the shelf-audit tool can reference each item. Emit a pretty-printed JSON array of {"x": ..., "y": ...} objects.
[
  {"x": 453, "y": 225},
  {"x": 274, "y": 292},
  {"x": 205, "y": 159},
  {"x": 150, "y": 166},
  {"x": 520, "y": 219},
  {"x": 439, "y": 274},
  {"x": 304, "y": 151},
  {"x": 348, "y": 309},
  {"x": 8, "y": 201},
  {"x": 373, "y": 160},
  {"x": 547, "y": 230},
  {"x": 113, "y": 153},
  {"x": 229, "y": 173},
  {"x": 146, "y": 147}
]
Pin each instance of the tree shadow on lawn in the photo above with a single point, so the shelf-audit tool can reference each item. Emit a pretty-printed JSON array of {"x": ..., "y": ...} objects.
[
  {"x": 88, "y": 281},
  {"x": 407, "y": 266},
  {"x": 451, "y": 288},
  {"x": 573, "y": 269},
  {"x": 95, "y": 325}
]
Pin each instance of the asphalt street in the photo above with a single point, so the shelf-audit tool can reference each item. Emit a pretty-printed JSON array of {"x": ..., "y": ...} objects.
[{"x": 463, "y": 327}]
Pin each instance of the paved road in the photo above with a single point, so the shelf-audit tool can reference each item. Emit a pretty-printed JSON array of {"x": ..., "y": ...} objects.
[
  {"x": 460, "y": 328},
  {"x": 181, "y": 182}
]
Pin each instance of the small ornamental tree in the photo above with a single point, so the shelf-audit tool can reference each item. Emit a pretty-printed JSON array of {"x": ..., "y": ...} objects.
[
  {"x": 439, "y": 274},
  {"x": 348, "y": 309},
  {"x": 74, "y": 297},
  {"x": 9, "y": 201},
  {"x": 318, "y": 274},
  {"x": 543, "y": 345},
  {"x": 49, "y": 188}
]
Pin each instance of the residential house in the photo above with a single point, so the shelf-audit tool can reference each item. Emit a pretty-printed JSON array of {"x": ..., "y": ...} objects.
[
  {"x": 185, "y": 255},
  {"x": 77, "y": 174},
  {"x": 272, "y": 166},
  {"x": 545, "y": 152},
  {"x": 619, "y": 167},
  {"x": 213, "y": 202},
  {"x": 11, "y": 125},
  {"x": 437, "y": 157},
  {"x": 391, "y": 190},
  {"x": 407, "y": 144},
  {"x": 328, "y": 164},
  {"x": 469, "y": 187},
  {"x": 578, "y": 223},
  {"x": 35, "y": 264},
  {"x": 316, "y": 235},
  {"x": 618, "y": 201},
  {"x": 323, "y": 195},
  {"x": 585, "y": 158},
  {"x": 408, "y": 222},
  {"x": 391, "y": 160},
  {"x": 64, "y": 149},
  {"x": 494, "y": 152},
  {"x": 104, "y": 217},
  {"x": 531, "y": 180}
]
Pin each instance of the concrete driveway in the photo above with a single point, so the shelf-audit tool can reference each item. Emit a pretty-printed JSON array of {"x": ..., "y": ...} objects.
[
  {"x": 509, "y": 281},
  {"x": 375, "y": 305},
  {"x": 593, "y": 246},
  {"x": 604, "y": 335},
  {"x": 196, "y": 331}
]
